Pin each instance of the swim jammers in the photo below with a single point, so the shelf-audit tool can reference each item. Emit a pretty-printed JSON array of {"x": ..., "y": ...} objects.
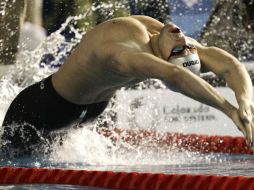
[{"x": 40, "y": 107}]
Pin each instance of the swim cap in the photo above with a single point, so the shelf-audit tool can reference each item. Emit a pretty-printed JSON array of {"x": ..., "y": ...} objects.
[{"x": 191, "y": 62}]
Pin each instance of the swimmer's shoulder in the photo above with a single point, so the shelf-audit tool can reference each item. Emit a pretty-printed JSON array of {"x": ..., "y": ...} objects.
[
  {"x": 120, "y": 23},
  {"x": 131, "y": 21},
  {"x": 151, "y": 24},
  {"x": 146, "y": 20},
  {"x": 121, "y": 30},
  {"x": 117, "y": 29}
]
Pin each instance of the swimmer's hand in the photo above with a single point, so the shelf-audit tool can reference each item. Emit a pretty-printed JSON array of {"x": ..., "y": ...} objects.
[
  {"x": 246, "y": 112},
  {"x": 235, "y": 116},
  {"x": 243, "y": 119}
]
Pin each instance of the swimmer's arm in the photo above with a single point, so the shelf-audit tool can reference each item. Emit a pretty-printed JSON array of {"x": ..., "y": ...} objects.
[
  {"x": 144, "y": 65},
  {"x": 224, "y": 64}
]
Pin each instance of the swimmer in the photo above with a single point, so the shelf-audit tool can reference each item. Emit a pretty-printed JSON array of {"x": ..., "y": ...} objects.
[{"x": 121, "y": 52}]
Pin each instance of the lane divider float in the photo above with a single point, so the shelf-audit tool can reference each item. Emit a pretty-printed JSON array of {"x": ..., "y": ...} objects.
[{"x": 123, "y": 180}]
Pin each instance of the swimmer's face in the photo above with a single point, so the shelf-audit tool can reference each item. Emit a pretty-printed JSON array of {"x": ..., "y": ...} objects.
[{"x": 171, "y": 37}]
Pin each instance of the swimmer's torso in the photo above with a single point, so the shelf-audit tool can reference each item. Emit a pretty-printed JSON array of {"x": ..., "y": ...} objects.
[{"x": 91, "y": 73}]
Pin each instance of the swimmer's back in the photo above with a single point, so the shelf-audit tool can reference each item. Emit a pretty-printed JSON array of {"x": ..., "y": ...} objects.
[{"x": 92, "y": 73}]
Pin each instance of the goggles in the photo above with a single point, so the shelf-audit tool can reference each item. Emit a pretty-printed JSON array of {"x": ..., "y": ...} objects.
[{"x": 179, "y": 49}]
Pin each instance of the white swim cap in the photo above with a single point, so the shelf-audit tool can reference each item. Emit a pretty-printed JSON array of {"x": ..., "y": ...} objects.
[{"x": 191, "y": 62}]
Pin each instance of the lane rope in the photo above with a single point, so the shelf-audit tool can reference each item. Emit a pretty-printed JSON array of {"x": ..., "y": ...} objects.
[{"x": 123, "y": 180}]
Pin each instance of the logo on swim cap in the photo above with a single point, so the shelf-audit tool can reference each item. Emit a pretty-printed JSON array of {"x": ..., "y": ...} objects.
[{"x": 191, "y": 62}]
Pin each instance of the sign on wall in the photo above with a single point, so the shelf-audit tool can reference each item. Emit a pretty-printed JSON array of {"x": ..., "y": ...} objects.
[{"x": 165, "y": 110}]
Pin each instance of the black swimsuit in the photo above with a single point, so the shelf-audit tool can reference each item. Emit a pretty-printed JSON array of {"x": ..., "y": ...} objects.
[{"x": 40, "y": 107}]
